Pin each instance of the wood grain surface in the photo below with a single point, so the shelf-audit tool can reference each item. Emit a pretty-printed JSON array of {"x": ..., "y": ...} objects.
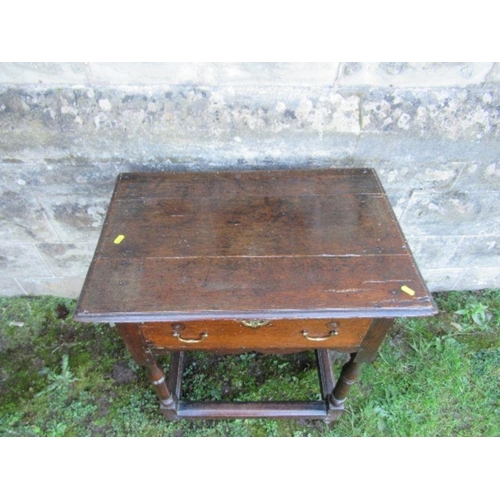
[{"x": 262, "y": 244}]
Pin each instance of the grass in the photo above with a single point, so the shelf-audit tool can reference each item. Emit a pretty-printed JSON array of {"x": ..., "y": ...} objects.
[{"x": 435, "y": 376}]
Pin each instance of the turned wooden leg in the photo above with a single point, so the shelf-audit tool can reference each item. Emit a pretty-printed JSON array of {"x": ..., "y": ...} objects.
[
  {"x": 366, "y": 354},
  {"x": 348, "y": 376},
  {"x": 157, "y": 377},
  {"x": 143, "y": 356}
]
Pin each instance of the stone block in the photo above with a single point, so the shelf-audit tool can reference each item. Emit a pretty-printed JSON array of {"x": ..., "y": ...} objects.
[
  {"x": 478, "y": 278},
  {"x": 231, "y": 114},
  {"x": 31, "y": 123},
  {"x": 179, "y": 123},
  {"x": 406, "y": 177},
  {"x": 68, "y": 259},
  {"x": 379, "y": 147},
  {"x": 274, "y": 74},
  {"x": 139, "y": 73},
  {"x": 414, "y": 74},
  {"x": 494, "y": 74},
  {"x": 441, "y": 280},
  {"x": 477, "y": 251},
  {"x": 74, "y": 176},
  {"x": 76, "y": 218},
  {"x": 449, "y": 113},
  {"x": 22, "y": 218},
  {"x": 383, "y": 74},
  {"x": 17, "y": 260},
  {"x": 479, "y": 177},
  {"x": 398, "y": 200},
  {"x": 452, "y": 213},
  {"x": 433, "y": 252},
  {"x": 43, "y": 73},
  {"x": 9, "y": 287},
  {"x": 215, "y": 74},
  {"x": 69, "y": 287}
]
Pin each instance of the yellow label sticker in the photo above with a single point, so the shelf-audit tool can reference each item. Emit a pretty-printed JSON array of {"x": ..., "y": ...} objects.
[
  {"x": 119, "y": 239},
  {"x": 408, "y": 290}
]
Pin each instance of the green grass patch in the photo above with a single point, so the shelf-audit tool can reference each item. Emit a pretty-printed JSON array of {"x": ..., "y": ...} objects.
[{"x": 436, "y": 376}]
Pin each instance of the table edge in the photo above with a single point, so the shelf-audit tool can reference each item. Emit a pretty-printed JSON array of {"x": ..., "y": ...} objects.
[{"x": 82, "y": 316}]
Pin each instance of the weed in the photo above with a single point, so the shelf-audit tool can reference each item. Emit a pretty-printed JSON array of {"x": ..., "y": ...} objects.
[
  {"x": 477, "y": 313},
  {"x": 58, "y": 381}
]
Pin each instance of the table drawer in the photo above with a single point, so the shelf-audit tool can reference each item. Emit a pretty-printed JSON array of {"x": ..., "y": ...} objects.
[{"x": 233, "y": 335}]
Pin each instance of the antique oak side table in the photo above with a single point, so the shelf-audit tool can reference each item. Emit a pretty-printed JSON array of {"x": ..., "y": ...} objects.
[{"x": 269, "y": 261}]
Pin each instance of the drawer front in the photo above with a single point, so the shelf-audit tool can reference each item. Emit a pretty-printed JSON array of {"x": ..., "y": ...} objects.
[{"x": 232, "y": 335}]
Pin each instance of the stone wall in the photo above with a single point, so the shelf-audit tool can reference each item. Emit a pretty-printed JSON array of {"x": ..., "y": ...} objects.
[{"x": 431, "y": 130}]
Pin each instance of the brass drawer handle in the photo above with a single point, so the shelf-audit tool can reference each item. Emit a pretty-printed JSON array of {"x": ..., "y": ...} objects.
[
  {"x": 255, "y": 323},
  {"x": 177, "y": 335},
  {"x": 332, "y": 333}
]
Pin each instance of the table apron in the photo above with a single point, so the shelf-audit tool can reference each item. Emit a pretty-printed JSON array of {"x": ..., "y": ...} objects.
[{"x": 232, "y": 335}]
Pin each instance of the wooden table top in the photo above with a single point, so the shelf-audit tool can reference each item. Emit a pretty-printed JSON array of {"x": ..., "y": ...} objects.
[{"x": 252, "y": 244}]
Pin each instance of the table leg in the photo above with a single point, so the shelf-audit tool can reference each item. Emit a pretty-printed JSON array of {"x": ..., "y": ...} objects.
[
  {"x": 143, "y": 356},
  {"x": 373, "y": 338},
  {"x": 366, "y": 354},
  {"x": 348, "y": 376}
]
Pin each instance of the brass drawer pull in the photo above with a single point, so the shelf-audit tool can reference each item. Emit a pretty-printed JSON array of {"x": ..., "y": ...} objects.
[
  {"x": 177, "y": 335},
  {"x": 332, "y": 333},
  {"x": 255, "y": 323}
]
